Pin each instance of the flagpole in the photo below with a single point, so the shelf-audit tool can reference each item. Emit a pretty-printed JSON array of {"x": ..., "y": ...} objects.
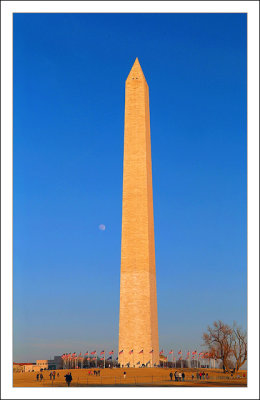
[{"x": 104, "y": 359}]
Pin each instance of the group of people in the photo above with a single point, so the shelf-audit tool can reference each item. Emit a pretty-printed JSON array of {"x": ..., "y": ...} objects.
[
  {"x": 180, "y": 376},
  {"x": 39, "y": 376},
  {"x": 96, "y": 373},
  {"x": 200, "y": 375},
  {"x": 53, "y": 374}
]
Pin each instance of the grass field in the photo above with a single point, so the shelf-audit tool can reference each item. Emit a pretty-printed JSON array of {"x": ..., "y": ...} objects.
[{"x": 134, "y": 377}]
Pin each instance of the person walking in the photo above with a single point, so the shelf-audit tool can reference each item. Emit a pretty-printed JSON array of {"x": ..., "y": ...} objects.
[
  {"x": 207, "y": 376},
  {"x": 41, "y": 377},
  {"x": 198, "y": 376},
  {"x": 171, "y": 375},
  {"x": 50, "y": 375},
  {"x": 192, "y": 376},
  {"x": 68, "y": 379},
  {"x": 183, "y": 376},
  {"x": 53, "y": 375},
  {"x": 180, "y": 377},
  {"x": 124, "y": 374},
  {"x": 203, "y": 375},
  {"x": 175, "y": 376},
  {"x": 37, "y": 377}
]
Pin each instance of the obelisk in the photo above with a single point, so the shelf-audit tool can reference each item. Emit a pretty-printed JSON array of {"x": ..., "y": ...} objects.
[{"x": 138, "y": 324}]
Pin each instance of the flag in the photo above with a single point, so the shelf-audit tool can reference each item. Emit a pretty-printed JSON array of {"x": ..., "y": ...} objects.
[
  {"x": 151, "y": 351},
  {"x": 102, "y": 352},
  {"x": 180, "y": 352},
  {"x": 194, "y": 352},
  {"x": 171, "y": 352},
  {"x": 102, "y": 359},
  {"x": 180, "y": 358},
  {"x": 161, "y": 352},
  {"x": 120, "y": 352},
  {"x": 131, "y": 351},
  {"x": 80, "y": 354},
  {"x": 86, "y": 354},
  {"x": 94, "y": 358},
  {"x": 93, "y": 352},
  {"x": 111, "y": 352},
  {"x": 140, "y": 352},
  {"x": 201, "y": 354},
  {"x": 188, "y": 354},
  {"x": 173, "y": 358}
]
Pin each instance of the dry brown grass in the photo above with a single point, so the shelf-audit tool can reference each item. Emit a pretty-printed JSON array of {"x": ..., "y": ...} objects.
[{"x": 134, "y": 377}]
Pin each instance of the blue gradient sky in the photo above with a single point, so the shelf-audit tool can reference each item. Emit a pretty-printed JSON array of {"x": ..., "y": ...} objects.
[{"x": 69, "y": 76}]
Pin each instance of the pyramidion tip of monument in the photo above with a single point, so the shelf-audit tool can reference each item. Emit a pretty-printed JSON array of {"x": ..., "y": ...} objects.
[{"x": 136, "y": 71}]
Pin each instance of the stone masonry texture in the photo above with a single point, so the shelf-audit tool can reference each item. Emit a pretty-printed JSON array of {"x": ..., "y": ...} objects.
[{"x": 138, "y": 324}]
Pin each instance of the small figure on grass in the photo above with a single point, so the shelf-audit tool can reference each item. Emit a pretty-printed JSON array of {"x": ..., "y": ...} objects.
[{"x": 68, "y": 378}]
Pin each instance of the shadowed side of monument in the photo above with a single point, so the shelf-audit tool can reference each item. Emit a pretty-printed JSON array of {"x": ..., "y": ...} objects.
[{"x": 138, "y": 324}]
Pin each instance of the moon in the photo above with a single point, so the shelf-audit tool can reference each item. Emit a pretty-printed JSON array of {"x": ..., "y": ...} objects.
[{"x": 102, "y": 227}]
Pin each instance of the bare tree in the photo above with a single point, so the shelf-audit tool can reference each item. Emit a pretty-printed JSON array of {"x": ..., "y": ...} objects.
[
  {"x": 239, "y": 346},
  {"x": 220, "y": 339}
]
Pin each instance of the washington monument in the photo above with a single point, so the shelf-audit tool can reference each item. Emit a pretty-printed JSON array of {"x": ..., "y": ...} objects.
[{"x": 138, "y": 324}]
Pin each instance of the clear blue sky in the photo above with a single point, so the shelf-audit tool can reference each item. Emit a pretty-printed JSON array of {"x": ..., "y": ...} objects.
[{"x": 69, "y": 76}]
